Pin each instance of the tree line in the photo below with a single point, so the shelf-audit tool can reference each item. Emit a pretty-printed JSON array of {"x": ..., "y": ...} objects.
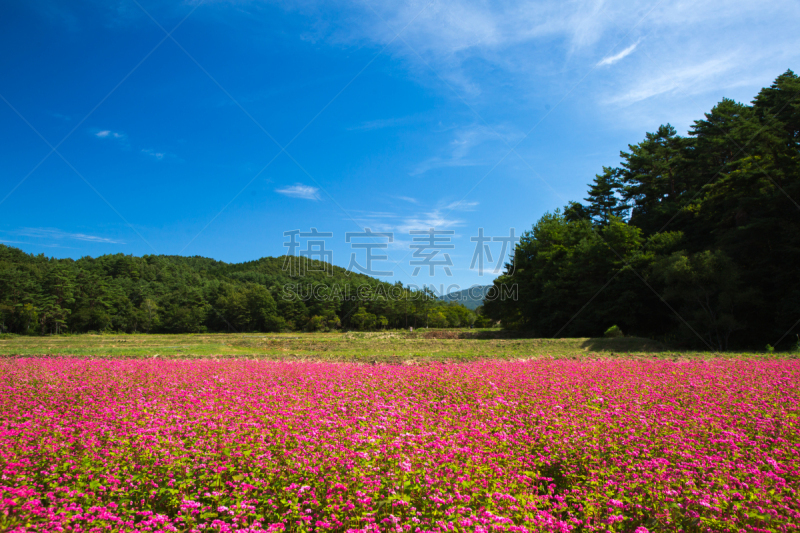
[
  {"x": 173, "y": 294},
  {"x": 693, "y": 239}
]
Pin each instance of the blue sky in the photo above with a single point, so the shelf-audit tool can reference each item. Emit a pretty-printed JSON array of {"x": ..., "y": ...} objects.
[{"x": 252, "y": 118}]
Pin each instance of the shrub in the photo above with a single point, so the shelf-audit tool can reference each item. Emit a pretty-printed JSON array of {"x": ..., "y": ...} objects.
[{"x": 614, "y": 332}]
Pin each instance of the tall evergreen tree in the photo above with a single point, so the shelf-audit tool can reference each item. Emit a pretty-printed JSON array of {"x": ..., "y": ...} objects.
[
  {"x": 603, "y": 201},
  {"x": 718, "y": 215},
  {"x": 655, "y": 178}
]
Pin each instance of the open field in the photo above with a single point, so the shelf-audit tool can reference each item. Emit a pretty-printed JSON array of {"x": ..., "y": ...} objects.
[
  {"x": 493, "y": 446},
  {"x": 283, "y": 433},
  {"x": 395, "y": 347}
]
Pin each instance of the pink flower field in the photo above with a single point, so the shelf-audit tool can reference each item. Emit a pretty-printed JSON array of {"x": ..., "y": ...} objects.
[{"x": 635, "y": 446}]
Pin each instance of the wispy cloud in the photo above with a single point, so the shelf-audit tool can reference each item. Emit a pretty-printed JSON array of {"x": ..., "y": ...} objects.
[
  {"x": 440, "y": 217},
  {"x": 305, "y": 192},
  {"x": 610, "y": 60},
  {"x": 153, "y": 153},
  {"x": 407, "y": 199},
  {"x": 4, "y": 241},
  {"x": 120, "y": 138},
  {"x": 53, "y": 233},
  {"x": 401, "y": 224},
  {"x": 461, "y": 206},
  {"x": 436, "y": 218},
  {"x": 123, "y": 141},
  {"x": 378, "y": 124},
  {"x": 459, "y": 152},
  {"x": 108, "y": 134},
  {"x": 443, "y": 162},
  {"x": 520, "y": 53},
  {"x": 459, "y": 26},
  {"x": 684, "y": 78}
]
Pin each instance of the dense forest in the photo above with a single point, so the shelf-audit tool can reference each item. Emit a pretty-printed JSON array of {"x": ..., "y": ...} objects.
[
  {"x": 40, "y": 295},
  {"x": 692, "y": 239}
]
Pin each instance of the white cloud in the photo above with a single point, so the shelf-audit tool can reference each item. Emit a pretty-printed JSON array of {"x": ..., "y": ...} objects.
[
  {"x": 402, "y": 224},
  {"x": 108, "y": 134},
  {"x": 378, "y": 124},
  {"x": 610, "y": 60},
  {"x": 300, "y": 191},
  {"x": 53, "y": 233},
  {"x": 123, "y": 141},
  {"x": 422, "y": 221},
  {"x": 459, "y": 152},
  {"x": 120, "y": 138},
  {"x": 717, "y": 72},
  {"x": 454, "y": 36},
  {"x": 461, "y": 206},
  {"x": 518, "y": 53},
  {"x": 153, "y": 153},
  {"x": 408, "y": 199},
  {"x": 458, "y": 26},
  {"x": 455, "y": 30},
  {"x": 4, "y": 241}
]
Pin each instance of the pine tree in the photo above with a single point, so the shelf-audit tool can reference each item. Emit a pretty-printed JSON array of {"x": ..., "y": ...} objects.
[{"x": 603, "y": 200}]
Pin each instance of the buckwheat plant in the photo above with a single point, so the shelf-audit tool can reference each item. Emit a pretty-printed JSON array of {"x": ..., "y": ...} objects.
[{"x": 249, "y": 446}]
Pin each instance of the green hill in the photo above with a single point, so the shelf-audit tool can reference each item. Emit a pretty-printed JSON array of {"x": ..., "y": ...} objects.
[{"x": 174, "y": 294}]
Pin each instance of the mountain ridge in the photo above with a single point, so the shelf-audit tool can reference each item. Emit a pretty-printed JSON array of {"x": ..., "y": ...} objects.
[{"x": 471, "y": 298}]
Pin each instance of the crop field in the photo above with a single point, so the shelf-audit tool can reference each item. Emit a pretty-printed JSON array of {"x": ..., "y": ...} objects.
[
  {"x": 394, "y": 347},
  {"x": 570, "y": 438}
]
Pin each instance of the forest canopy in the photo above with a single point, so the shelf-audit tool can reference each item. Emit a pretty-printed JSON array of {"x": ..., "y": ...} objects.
[
  {"x": 156, "y": 293},
  {"x": 693, "y": 239}
]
